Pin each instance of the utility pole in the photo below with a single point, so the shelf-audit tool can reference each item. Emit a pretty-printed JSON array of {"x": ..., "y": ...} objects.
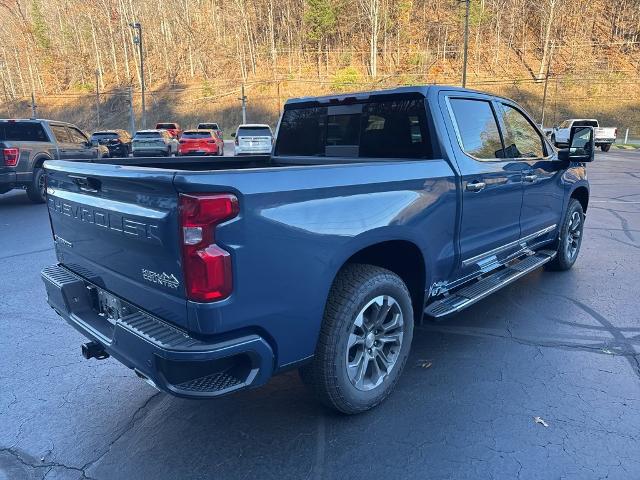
[
  {"x": 279, "y": 103},
  {"x": 138, "y": 40},
  {"x": 132, "y": 117},
  {"x": 34, "y": 107},
  {"x": 243, "y": 98},
  {"x": 97, "y": 100},
  {"x": 466, "y": 43},
  {"x": 546, "y": 83}
]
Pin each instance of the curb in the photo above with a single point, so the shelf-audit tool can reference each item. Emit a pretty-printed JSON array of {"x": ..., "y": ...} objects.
[{"x": 627, "y": 147}]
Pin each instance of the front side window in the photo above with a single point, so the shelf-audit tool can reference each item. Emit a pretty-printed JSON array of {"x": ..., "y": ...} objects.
[
  {"x": 521, "y": 139},
  {"x": 478, "y": 128},
  {"x": 77, "y": 136},
  {"x": 61, "y": 134}
]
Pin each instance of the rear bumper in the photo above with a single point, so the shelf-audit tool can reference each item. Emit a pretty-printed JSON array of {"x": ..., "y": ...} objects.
[
  {"x": 7, "y": 181},
  {"x": 604, "y": 141},
  {"x": 168, "y": 357},
  {"x": 197, "y": 151}
]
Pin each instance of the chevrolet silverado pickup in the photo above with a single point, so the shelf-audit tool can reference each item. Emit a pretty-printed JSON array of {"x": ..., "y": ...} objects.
[
  {"x": 26, "y": 144},
  {"x": 373, "y": 211},
  {"x": 604, "y": 137}
]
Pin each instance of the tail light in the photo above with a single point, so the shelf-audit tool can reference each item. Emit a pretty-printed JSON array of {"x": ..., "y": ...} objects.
[
  {"x": 237, "y": 141},
  {"x": 11, "y": 156},
  {"x": 615, "y": 132},
  {"x": 206, "y": 266}
]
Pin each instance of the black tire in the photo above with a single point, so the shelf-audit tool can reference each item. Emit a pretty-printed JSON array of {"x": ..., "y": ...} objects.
[
  {"x": 355, "y": 288},
  {"x": 606, "y": 147},
  {"x": 570, "y": 238},
  {"x": 36, "y": 191}
]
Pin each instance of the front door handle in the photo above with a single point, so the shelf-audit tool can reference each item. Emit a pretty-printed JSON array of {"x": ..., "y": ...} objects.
[
  {"x": 475, "y": 186},
  {"x": 530, "y": 178}
]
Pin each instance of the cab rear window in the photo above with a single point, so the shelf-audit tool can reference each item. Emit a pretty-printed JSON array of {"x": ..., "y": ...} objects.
[{"x": 22, "y": 132}]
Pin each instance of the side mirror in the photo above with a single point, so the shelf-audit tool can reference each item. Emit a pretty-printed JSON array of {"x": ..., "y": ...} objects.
[
  {"x": 581, "y": 146},
  {"x": 233, "y": 134}
]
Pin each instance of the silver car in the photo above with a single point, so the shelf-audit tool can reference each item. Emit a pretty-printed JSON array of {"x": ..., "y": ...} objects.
[
  {"x": 253, "y": 139},
  {"x": 154, "y": 142}
]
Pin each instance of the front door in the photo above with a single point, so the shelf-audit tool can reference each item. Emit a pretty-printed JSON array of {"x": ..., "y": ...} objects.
[
  {"x": 543, "y": 190},
  {"x": 491, "y": 183}
]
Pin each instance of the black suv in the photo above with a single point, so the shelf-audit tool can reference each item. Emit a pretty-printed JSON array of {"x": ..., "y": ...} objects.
[
  {"x": 26, "y": 144},
  {"x": 117, "y": 141}
]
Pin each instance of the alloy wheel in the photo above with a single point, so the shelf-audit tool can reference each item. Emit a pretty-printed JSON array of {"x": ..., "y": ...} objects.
[{"x": 374, "y": 343}]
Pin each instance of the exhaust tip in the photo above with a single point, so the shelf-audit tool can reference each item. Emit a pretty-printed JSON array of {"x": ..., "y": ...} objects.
[{"x": 94, "y": 350}]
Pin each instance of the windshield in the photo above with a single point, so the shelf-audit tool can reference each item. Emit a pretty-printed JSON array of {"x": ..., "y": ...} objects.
[
  {"x": 254, "y": 132},
  {"x": 22, "y": 132},
  {"x": 196, "y": 135}
]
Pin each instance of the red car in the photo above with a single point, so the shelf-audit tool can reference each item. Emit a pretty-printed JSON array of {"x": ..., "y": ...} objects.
[
  {"x": 200, "y": 142},
  {"x": 172, "y": 128}
]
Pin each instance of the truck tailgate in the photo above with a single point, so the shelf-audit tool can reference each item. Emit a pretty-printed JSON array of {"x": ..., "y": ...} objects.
[{"x": 118, "y": 227}]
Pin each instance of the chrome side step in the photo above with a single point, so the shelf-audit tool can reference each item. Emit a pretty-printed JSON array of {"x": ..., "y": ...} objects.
[{"x": 467, "y": 296}]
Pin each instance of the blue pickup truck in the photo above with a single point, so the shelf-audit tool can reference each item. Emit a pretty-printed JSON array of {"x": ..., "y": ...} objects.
[{"x": 374, "y": 210}]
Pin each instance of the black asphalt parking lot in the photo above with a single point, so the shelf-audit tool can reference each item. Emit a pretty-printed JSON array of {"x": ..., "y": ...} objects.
[{"x": 563, "y": 347}]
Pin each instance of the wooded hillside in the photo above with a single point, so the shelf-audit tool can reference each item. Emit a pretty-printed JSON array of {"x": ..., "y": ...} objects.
[{"x": 204, "y": 49}]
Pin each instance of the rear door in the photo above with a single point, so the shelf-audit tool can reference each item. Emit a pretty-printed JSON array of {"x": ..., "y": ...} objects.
[
  {"x": 118, "y": 227},
  {"x": 491, "y": 183},
  {"x": 66, "y": 147},
  {"x": 543, "y": 191}
]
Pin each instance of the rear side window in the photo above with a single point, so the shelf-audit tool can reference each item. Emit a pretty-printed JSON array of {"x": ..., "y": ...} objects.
[
  {"x": 254, "y": 132},
  {"x": 61, "y": 134},
  {"x": 382, "y": 129},
  {"x": 521, "y": 139},
  {"x": 22, "y": 132},
  {"x": 478, "y": 128}
]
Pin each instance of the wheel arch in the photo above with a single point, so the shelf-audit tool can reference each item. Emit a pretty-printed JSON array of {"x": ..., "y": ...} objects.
[
  {"x": 404, "y": 258},
  {"x": 581, "y": 194},
  {"x": 39, "y": 159}
]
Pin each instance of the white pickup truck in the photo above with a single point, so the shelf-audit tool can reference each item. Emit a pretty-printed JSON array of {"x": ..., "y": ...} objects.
[{"x": 604, "y": 137}]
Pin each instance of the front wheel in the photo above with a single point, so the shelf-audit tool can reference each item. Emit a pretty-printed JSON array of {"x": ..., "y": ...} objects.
[
  {"x": 570, "y": 238},
  {"x": 364, "y": 340},
  {"x": 37, "y": 189},
  {"x": 606, "y": 147}
]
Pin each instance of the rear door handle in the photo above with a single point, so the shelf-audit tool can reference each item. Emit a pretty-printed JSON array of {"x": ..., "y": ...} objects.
[
  {"x": 530, "y": 178},
  {"x": 475, "y": 186}
]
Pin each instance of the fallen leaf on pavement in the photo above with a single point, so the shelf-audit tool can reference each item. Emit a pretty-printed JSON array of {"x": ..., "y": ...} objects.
[
  {"x": 540, "y": 421},
  {"x": 424, "y": 363}
]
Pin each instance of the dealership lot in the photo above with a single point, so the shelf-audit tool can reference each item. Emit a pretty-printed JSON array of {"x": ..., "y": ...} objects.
[{"x": 563, "y": 347}]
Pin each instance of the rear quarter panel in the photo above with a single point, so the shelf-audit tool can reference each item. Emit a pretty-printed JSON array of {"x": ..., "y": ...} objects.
[{"x": 298, "y": 225}]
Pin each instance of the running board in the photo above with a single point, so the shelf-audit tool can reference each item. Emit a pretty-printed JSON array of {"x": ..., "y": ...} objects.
[{"x": 467, "y": 296}]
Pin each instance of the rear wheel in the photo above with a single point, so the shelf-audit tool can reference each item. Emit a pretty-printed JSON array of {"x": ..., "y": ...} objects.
[
  {"x": 606, "y": 147},
  {"x": 364, "y": 340},
  {"x": 37, "y": 191},
  {"x": 570, "y": 238}
]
